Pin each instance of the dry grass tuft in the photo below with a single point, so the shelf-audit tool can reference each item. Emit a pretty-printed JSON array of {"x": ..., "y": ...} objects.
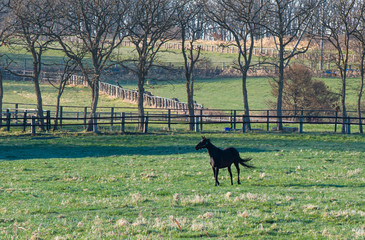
[
  {"x": 140, "y": 221},
  {"x": 245, "y": 214},
  {"x": 351, "y": 173},
  {"x": 122, "y": 223},
  {"x": 176, "y": 199},
  {"x": 228, "y": 195},
  {"x": 359, "y": 232},
  {"x": 207, "y": 215},
  {"x": 137, "y": 198},
  {"x": 196, "y": 200}
]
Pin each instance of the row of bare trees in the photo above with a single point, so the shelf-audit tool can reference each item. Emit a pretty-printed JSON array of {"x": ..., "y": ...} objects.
[{"x": 88, "y": 33}]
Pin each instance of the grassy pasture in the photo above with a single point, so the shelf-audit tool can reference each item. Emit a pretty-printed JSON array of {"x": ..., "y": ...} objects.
[
  {"x": 226, "y": 93},
  {"x": 220, "y": 93},
  {"x": 23, "y": 92},
  {"x": 308, "y": 186}
]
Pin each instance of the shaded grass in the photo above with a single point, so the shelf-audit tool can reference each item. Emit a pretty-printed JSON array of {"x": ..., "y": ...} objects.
[{"x": 305, "y": 186}]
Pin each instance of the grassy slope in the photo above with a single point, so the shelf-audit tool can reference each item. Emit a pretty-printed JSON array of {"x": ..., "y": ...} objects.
[
  {"x": 133, "y": 186},
  {"x": 23, "y": 92},
  {"x": 227, "y": 93}
]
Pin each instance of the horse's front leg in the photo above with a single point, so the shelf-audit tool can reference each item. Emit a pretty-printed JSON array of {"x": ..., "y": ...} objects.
[
  {"x": 230, "y": 174},
  {"x": 216, "y": 170}
]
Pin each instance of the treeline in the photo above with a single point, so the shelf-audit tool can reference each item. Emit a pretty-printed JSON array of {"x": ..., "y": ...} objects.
[{"x": 95, "y": 29}]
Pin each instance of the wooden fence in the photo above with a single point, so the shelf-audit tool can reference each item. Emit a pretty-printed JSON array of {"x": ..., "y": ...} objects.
[
  {"x": 132, "y": 96},
  {"x": 127, "y": 120}
]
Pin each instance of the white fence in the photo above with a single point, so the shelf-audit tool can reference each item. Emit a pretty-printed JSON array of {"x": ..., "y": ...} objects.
[{"x": 132, "y": 96}]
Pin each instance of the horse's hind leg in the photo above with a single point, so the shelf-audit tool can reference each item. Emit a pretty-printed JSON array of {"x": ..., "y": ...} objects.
[
  {"x": 238, "y": 172},
  {"x": 230, "y": 174}
]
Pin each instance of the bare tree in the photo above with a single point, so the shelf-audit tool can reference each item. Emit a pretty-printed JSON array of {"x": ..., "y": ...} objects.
[
  {"x": 189, "y": 21},
  {"x": 360, "y": 36},
  {"x": 90, "y": 28},
  {"x": 3, "y": 15},
  {"x": 150, "y": 25},
  {"x": 288, "y": 22},
  {"x": 340, "y": 27},
  {"x": 241, "y": 19},
  {"x": 69, "y": 68},
  {"x": 29, "y": 22}
]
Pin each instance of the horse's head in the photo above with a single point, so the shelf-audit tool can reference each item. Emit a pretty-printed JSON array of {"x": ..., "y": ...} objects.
[{"x": 202, "y": 144}]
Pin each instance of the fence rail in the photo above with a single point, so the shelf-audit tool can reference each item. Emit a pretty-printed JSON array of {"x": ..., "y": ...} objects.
[{"x": 118, "y": 119}]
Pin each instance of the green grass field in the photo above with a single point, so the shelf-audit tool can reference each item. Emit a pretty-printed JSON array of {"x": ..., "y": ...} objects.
[{"x": 308, "y": 186}]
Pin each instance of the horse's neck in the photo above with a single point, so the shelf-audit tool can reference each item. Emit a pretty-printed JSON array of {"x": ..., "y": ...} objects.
[{"x": 211, "y": 149}]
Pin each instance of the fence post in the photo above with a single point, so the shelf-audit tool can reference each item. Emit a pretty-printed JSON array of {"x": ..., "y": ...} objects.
[
  {"x": 25, "y": 120},
  {"x": 112, "y": 118},
  {"x": 122, "y": 126},
  {"x": 145, "y": 129},
  {"x": 336, "y": 119},
  {"x": 197, "y": 124},
  {"x": 8, "y": 115},
  {"x": 301, "y": 122},
  {"x": 169, "y": 119},
  {"x": 16, "y": 112},
  {"x": 201, "y": 120},
  {"x": 268, "y": 120},
  {"x": 234, "y": 119},
  {"x": 33, "y": 125},
  {"x": 348, "y": 125},
  {"x": 95, "y": 123},
  {"x": 360, "y": 124},
  {"x": 231, "y": 120},
  {"x": 61, "y": 115},
  {"x": 48, "y": 127},
  {"x": 85, "y": 116},
  {"x": 243, "y": 123}
]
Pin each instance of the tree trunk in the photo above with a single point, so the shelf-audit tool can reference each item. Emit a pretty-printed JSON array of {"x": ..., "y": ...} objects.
[
  {"x": 39, "y": 101},
  {"x": 190, "y": 95},
  {"x": 1, "y": 96},
  {"x": 245, "y": 101},
  {"x": 141, "y": 80},
  {"x": 343, "y": 100},
  {"x": 280, "y": 89},
  {"x": 94, "y": 103},
  {"x": 360, "y": 92},
  {"x": 60, "y": 91},
  {"x": 35, "y": 76}
]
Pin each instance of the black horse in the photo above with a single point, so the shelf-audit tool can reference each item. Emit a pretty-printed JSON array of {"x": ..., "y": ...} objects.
[{"x": 223, "y": 159}]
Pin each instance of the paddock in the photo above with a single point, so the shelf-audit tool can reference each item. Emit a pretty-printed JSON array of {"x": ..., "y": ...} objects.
[{"x": 148, "y": 186}]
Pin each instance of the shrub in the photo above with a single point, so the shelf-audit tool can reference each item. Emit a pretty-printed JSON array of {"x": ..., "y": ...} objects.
[{"x": 301, "y": 92}]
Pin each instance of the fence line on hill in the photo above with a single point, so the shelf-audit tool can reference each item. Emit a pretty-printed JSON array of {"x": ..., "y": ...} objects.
[
  {"x": 126, "y": 95},
  {"x": 132, "y": 96},
  {"x": 229, "y": 48}
]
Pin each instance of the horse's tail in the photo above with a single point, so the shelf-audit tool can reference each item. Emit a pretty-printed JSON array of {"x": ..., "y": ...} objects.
[
  {"x": 242, "y": 162},
  {"x": 246, "y": 159}
]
